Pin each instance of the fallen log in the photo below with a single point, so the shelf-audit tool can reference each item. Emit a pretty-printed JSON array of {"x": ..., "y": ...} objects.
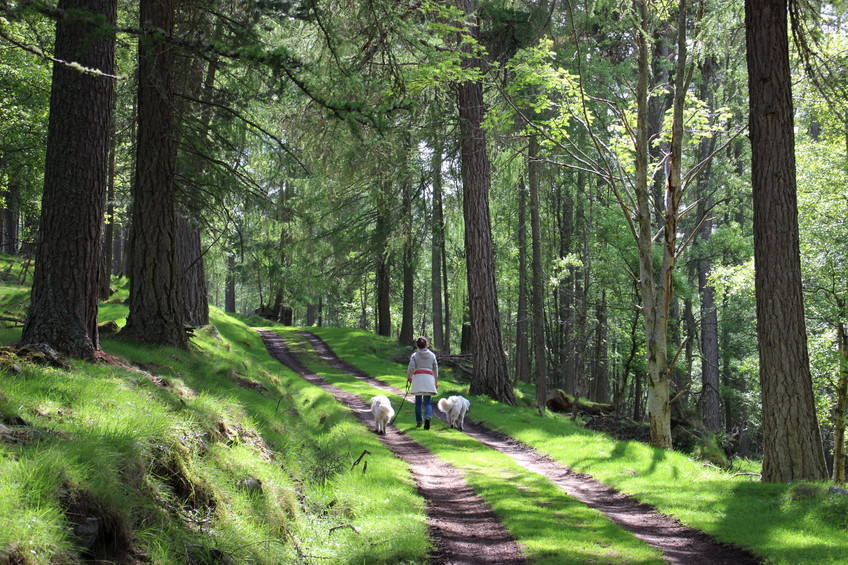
[{"x": 561, "y": 402}]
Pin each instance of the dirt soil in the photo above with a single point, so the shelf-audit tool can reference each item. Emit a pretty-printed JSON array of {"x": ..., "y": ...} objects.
[
  {"x": 679, "y": 544},
  {"x": 463, "y": 527}
]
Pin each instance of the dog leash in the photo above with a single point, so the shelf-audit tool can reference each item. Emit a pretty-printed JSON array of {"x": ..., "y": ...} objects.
[{"x": 402, "y": 402}]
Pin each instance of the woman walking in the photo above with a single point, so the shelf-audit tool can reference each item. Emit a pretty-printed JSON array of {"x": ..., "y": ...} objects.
[{"x": 423, "y": 373}]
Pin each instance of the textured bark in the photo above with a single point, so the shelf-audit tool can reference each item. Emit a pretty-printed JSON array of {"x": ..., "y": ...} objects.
[
  {"x": 408, "y": 269},
  {"x": 230, "y": 284},
  {"x": 155, "y": 301},
  {"x": 522, "y": 323},
  {"x": 538, "y": 288},
  {"x": 839, "y": 408},
  {"x": 195, "y": 291},
  {"x": 791, "y": 438},
  {"x": 654, "y": 303},
  {"x": 491, "y": 374},
  {"x": 382, "y": 275},
  {"x": 438, "y": 234},
  {"x": 63, "y": 310}
]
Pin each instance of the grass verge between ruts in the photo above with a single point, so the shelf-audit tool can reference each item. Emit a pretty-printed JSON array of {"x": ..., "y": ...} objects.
[
  {"x": 783, "y": 523},
  {"x": 553, "y": 527}
]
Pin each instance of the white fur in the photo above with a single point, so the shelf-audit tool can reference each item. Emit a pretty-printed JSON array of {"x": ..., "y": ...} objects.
[
  {"x": 383, "y": 412},
  {"x": 456, "y": 407}
]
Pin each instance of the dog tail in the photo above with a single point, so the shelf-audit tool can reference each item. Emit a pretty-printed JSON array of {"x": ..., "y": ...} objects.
[{"x": 443, "y": 404}]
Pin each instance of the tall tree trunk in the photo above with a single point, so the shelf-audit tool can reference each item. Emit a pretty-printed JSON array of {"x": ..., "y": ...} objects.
[
  {"x": 383, "y": 276},
  {"x": 600, "y": 372},
  {"x": 839, "y": 409},
  {"x": 63, "y": 309},
  {"x": 230, "y": 284},
  {"x": 538, "y": 288},
  {"x": 792, "y": 440},
  {"x": 522, "y": 325},
  {"x": 155, "y": 302},
  {"x": 407, "y": 313},
  {"x": 491, "y": 373},
  {"x": 710, "y": 397},
  {"x": 438, "y": 234},
  {"x": 654, "y": 305}
]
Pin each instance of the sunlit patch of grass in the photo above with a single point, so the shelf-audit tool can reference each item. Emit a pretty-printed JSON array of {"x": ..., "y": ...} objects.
[
  {"x": 732, "y": 506},
  {"x": 218, "y": 452},
  {"x": 552, "y": 527}
]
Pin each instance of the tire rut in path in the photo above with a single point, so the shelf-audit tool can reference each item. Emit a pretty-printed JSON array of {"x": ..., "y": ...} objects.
[
  {"x": 679, "y": 544},
  {"x": 463, "y": 527}
]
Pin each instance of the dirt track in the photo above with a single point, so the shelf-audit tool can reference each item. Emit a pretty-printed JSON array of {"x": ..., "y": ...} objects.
[
  {"x": 471, "y": 536},
  {"x": 679, "y": 544}
]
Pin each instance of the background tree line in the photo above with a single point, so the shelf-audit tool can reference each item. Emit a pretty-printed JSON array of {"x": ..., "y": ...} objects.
[{"x": 562, "y": 190}]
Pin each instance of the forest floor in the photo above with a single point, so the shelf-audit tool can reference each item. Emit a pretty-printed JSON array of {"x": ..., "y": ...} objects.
[{"x": 473, "y": 534}]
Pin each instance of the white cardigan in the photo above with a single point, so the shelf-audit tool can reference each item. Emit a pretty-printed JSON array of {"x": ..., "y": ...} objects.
[{"x": 423, "y": 368}]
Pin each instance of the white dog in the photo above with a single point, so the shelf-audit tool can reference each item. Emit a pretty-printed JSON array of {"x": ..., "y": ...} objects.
[
  {"x": 456, "y": 407},
  {"x": 383, "y": 413}
]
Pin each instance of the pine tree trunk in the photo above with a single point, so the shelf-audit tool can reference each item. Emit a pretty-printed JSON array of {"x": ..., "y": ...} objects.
[
  {"x": 407, "y": 312},
  {"x": 791, "y": 437},
  {"x": 230, "y": 284},
  {"x": 383, "y": 277},
  {"x": 522, "y": 323},
  {"x": 63, "y": 309},
  {"x": 491, "y": 374},
  {"x": 710, "y": 398},
  {"x": 437, "y": 232},
  {"x": 839, "y": 409},
  {"x": 538, "y": 288},
  {"x": 155, "y": 302}
]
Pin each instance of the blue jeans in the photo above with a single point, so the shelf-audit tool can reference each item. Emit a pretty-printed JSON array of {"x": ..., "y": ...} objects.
[{"x": 426, "y": 402}]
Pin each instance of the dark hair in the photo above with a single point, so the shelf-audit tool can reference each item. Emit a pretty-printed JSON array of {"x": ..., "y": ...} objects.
[{"x": 421, "y": 342}]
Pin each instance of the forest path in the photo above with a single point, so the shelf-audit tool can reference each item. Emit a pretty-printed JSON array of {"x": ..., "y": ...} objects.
[
  {"x": 679, "y": 544},
  {"x": 463, "y": 527}
]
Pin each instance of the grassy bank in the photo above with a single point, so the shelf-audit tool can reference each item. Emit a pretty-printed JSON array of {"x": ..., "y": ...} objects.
[{"x": 213, "y": 455}]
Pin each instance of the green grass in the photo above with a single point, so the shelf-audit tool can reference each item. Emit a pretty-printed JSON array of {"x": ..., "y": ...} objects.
[
  {"x": 164, "y": 452},
  {"x": 769, "y": 519},
  {"x": 552, "y": 527},
  {"x": 167, "y": 458}
]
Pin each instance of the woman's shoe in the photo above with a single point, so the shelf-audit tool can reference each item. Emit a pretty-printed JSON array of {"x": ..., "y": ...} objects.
[
  {"x": 417, "y": 424},
  {"x": 427, "y": 424}
]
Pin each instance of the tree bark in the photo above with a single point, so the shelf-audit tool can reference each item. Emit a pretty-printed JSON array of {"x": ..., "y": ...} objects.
[
  {"x": 791, "y": 437},
  {"x": 438, "y": 233},
  {"x": 522, "y": 323},
  {"x": 538, "y": 288},
  {"x": 407, "y": 313},
  {"x": 63, "y": 309},
  {"x": 491, "y": 373},
  {"x": 654, "y": 303},
  {"x": 195, "y": 291},
  {"x": 382, "y": 274},
  {"x": 839, "y": 409},
  {"x": 710, "y": 397},
  {"x": 230, "y": 284},
  {"x": 155, "y": 302}
]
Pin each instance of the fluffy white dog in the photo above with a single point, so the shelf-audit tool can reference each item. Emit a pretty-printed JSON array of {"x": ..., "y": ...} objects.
[
  {"x": 383, "y": 413},
  {"x": 456, "y": 407}
]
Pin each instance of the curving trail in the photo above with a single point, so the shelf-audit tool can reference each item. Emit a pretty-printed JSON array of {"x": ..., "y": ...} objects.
[
  {"x": 463, "y": 527},
  {"x": 680, "y": 545}
]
